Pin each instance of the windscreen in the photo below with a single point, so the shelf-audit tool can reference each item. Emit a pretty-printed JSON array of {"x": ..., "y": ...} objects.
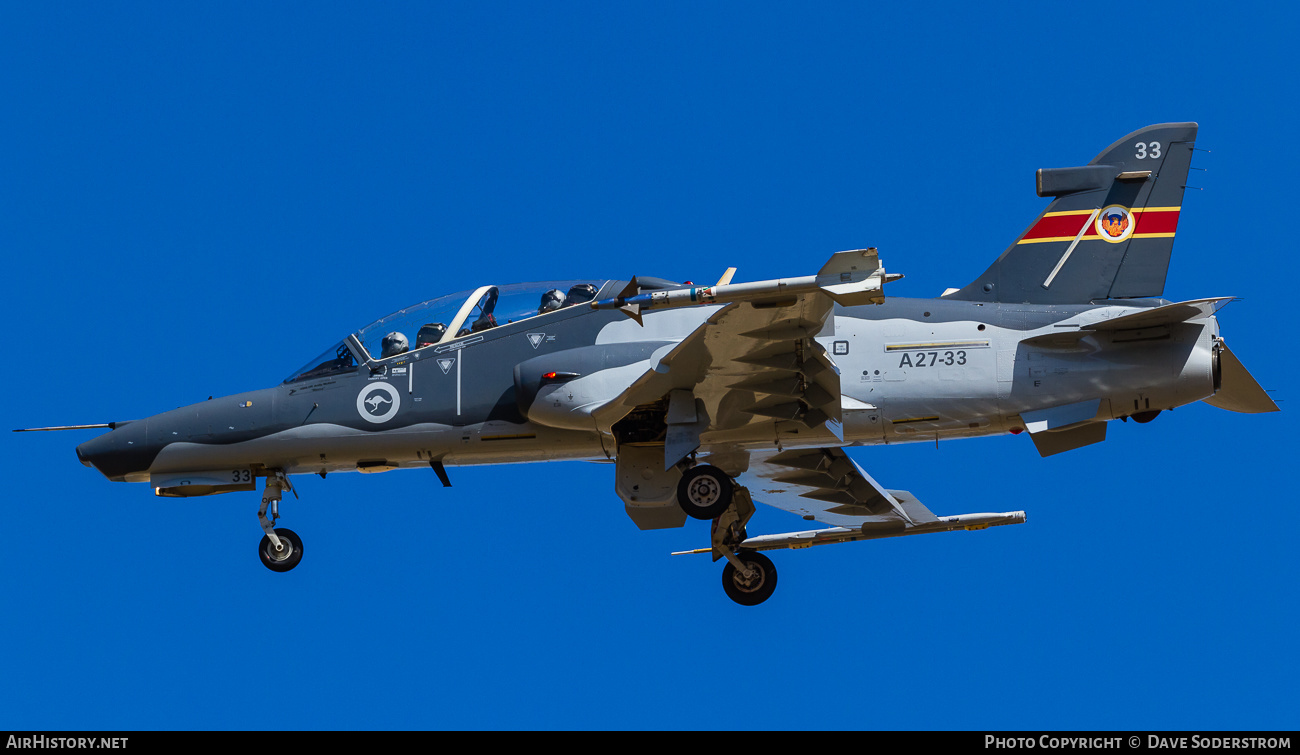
[{"x": 337, "y": 360}]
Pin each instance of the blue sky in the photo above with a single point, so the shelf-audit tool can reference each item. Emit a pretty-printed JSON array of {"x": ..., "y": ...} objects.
[{"x": 196, "y": 200}]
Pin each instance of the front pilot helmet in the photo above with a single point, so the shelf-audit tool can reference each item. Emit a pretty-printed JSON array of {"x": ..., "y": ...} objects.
[
  {"x": 393, "y": 344},
  {"x": 551, "y": 301}
]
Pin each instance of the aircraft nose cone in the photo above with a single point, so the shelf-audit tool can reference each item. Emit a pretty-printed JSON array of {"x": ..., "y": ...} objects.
[{"x": 119, "y": 452}]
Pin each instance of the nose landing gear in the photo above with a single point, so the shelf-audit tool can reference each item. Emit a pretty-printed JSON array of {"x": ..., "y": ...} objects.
[
  {"x": 280, "y": 549},
  {"x": 286, "y": 555}
]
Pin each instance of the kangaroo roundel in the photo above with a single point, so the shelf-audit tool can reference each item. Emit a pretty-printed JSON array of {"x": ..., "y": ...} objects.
[{"x": 378, "y": 402}]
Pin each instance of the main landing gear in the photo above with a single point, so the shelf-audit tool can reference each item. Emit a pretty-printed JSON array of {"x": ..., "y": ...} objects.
[
  {"x": 706, "y": 492},
  {"x": 280, "y": 549},
  {"x": 754, "y": 588}
]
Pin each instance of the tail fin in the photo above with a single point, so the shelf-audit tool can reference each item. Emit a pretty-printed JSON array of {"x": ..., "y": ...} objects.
[{"x": 1109, "y": 232}]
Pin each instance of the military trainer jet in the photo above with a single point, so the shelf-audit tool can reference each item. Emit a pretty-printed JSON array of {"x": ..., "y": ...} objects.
[{"x": 708, "y": 398}]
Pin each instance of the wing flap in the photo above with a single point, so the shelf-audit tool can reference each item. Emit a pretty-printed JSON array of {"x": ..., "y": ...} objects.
[{"x": 826, "y": 485}]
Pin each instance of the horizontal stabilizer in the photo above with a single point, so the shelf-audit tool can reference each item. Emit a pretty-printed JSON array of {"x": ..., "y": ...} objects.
[
  {"x": 1239, "y": 392},
  {"x": 1169, "y": 314}
]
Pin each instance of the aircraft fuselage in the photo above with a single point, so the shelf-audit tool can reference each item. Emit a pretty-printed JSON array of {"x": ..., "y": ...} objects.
[{"x": 910, "y": 370}]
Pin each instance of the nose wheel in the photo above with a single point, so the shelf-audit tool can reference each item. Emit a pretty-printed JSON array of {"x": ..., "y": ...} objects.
[{"x": 285, "y": 555}]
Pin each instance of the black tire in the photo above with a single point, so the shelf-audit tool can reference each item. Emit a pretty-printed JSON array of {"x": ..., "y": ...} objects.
[
  {"x": 279, "y": 561},
  {"x": 704, "y": 492},
  {"x": 754, "y": 591}
]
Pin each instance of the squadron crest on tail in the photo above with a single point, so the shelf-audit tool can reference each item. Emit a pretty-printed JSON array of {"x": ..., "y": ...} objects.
[{"x": 1115, "y": 224}]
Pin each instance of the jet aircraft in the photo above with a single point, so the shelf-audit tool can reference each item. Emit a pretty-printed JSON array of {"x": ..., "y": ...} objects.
[{"x": 709, "y": 398}]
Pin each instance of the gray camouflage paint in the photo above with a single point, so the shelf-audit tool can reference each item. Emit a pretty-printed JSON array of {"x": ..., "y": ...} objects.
[
  {"x": 317, "y": 426},
  {"x": 1003, "y": 324}
]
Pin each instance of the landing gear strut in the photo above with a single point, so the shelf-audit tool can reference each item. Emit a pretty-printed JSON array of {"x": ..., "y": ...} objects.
[
  {"x": 749, "y": 578},
  {"x": 280, "y": 549}
]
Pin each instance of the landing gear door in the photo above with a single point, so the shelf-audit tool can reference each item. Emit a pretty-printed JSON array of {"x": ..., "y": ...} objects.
[
  {"x": 862, "y": 421},
  {"x": 649, "y": 491}
]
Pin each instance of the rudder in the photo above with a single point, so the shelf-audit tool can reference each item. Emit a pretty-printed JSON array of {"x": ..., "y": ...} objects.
[{"x": 1109, "y": 232}]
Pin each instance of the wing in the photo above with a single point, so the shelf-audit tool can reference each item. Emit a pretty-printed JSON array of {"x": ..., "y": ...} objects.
[
  {"x": 825, "y": 485},
  {"x": 750, "y": 362}
]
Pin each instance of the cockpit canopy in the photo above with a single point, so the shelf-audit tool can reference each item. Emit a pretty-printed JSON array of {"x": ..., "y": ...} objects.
[{"x": 448, "y": 318}]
